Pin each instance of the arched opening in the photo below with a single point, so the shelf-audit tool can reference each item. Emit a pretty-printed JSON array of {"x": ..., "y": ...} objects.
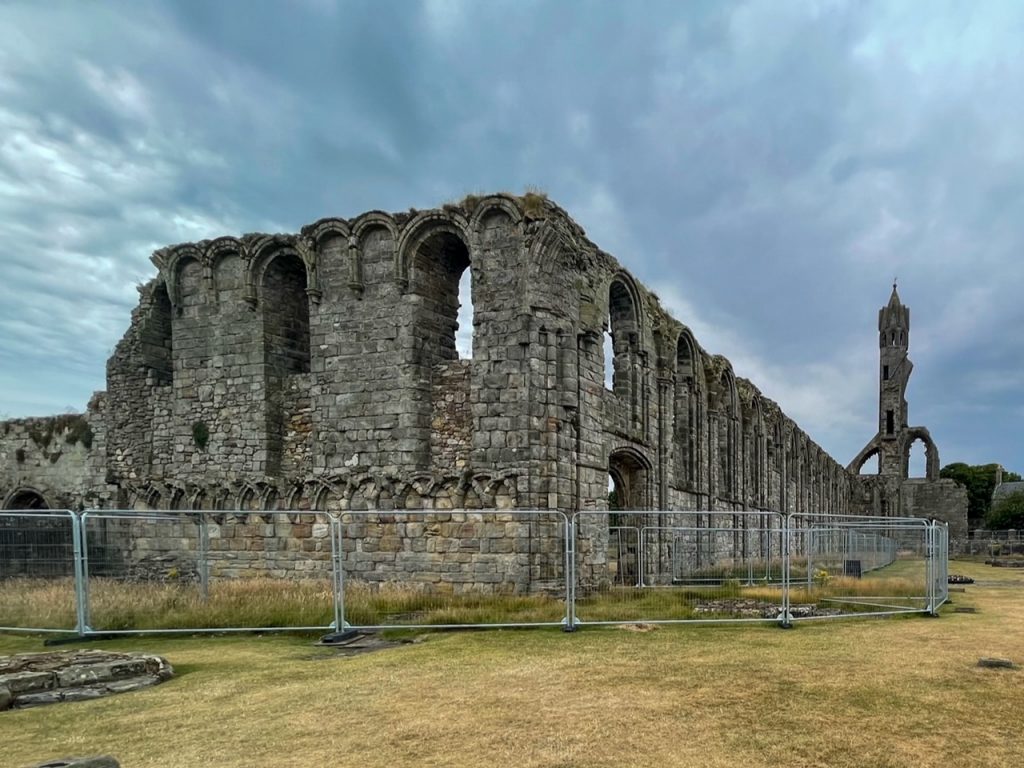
[
  {"x": 628, "y": 474},
  {"x": 623, "y": 330},
  {"x": 917, "y": 458},
  {"x": 870, "y": 464},
  {"x": 157, "y": 345},
  {"x": 464, "y": 332},
  {"x": 608, "y": 351},
  {"x": 727, "y": 436},
  {"x": 26, "y": 498},
  {"x": 286, "y": 315},
  {"x": 34, "y": 544},
  {"x": 437, "y": 281},
  {"x": 686, "y": 413}
]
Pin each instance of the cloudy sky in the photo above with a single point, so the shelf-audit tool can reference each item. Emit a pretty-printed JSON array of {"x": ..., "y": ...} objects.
[{"x": 767, "y": 168}]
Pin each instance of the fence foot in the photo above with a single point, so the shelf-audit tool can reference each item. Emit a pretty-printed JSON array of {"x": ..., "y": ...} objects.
[
  {"x": 339, "y": 637},
  {"x": 785, "y": 620}
]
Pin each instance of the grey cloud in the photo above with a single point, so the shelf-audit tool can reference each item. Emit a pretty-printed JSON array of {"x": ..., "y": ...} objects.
[{"x": 772, "y": 165}]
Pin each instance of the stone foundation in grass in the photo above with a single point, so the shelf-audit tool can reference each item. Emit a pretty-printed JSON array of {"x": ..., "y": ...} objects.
[{"x": 32, "y": 679}]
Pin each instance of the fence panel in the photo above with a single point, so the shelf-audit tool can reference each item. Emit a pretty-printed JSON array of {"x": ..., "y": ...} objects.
[
  {"x": 37, "y": 571},
  {"x": 691, "y": 566},
  {"x": 454, "y": 568},
  {"x": 842, "y": 566},
  {"x": 939, "y": 560},
  {"x": 210, "y": 571}
]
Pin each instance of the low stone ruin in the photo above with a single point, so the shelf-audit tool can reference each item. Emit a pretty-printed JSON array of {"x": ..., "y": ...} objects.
[{"x": 32, "y": 679}]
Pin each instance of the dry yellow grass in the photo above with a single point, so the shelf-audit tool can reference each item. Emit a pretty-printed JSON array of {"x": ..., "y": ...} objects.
[{"x": 855, "y": 693}]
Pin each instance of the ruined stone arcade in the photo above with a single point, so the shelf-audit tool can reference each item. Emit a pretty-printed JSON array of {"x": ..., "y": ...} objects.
[{"x": 319, "y": 371}]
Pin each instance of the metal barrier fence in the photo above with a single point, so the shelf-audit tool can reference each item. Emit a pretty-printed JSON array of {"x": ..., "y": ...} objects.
[
  {"x": 983, "y": 543},
  {"x": 454, "y": 568},
  {"x": 689, "y": 566},
  {"x": 109, "y": 572},
  {"x": 38, "y": 555},
  {"x": 842, "y": 565}
]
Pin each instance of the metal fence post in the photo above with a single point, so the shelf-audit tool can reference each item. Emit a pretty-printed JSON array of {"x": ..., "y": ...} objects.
[
  {"x": 569, "y": 531},
  {"x": 204, "y": 557},
  {"x": 338, "y": 566},
  {"x": 785, "y": 617},
  {"x": 81, "y": 568}
]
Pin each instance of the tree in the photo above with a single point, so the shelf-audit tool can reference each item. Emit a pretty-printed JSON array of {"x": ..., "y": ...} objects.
[
  {"x": 980, "y": 481},
  {"x": 1008, "y": 512}
]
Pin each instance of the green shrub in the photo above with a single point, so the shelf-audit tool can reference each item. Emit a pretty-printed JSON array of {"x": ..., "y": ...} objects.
[{"x": 1007, "y": 513}]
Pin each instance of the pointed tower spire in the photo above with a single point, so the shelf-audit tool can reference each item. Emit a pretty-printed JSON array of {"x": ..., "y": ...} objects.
[{"x": 894, "y": 300}]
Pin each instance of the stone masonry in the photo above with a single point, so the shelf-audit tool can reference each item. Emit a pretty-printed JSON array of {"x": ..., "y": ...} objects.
[{"x": 318, "y": 371}]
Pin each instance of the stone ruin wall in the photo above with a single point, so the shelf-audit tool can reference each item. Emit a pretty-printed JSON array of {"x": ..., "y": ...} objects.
[{"x": 318, "y": 371}]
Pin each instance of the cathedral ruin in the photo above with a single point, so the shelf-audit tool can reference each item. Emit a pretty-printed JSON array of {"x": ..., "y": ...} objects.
[{"x": 319, "y": 371}]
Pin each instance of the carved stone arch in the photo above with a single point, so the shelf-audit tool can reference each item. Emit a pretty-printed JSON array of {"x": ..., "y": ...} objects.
[
  {"x": 425, "y": 483},
  {"x": 371, "y": 220},
  {"x": 546, "y": 251},
  {"x": 223, "y": 247},
  {"x": 361, "y": 227},
  {"x": 504, "y": 491},
  {"x": 197, "y": 500},
  {"x": 170, "y": 262},
  {"x": 26, "y": 497},
  {"x": 264, "y": 251},
  {"x": 689, "y": 409},
  {"x": 318, "y": 493},
  {"x": 686, "y": 340},
  {"x": 729, "y": 431},
  {"x": 177, "y": 497},
  {"x": 363, "y": 489},
  {"x": 149, "y": 496},
  {"x": 247, "y": 499},
  {"x": 269, "y": 498},
  {"x": 869, "y": 451},
  {"x": 489, "y": 205},
  {"x": 629, "y": 284},
  {"x": 323, "y": 228},
  {"x": 418, "y": 230},
  {"x": 911, "y": 436},
  {"x": 632, "y": 473}
]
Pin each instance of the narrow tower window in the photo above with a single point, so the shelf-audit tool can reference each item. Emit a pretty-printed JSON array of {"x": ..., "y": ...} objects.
[
  {"x": 889, "y": 425},
  {"x": 885, "y": 373}
]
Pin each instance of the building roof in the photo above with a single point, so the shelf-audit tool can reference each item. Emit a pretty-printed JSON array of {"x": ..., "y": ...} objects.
[{"x": 1005, "y": 489}]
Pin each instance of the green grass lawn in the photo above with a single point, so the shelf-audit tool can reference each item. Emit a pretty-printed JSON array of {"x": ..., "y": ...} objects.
[{"x": 844, "y": 693}]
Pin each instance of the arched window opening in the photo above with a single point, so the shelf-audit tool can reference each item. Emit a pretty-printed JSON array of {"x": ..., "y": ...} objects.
[
  {"x": 26, "y": 498},
  {"x": 917, "y": 459},
  {"x": 437, "y": 281},
  {"x": 464, "y": 332},
  {"x": 623, "y": 329},
  {"x": 686, "y": 413},
  {"x": 286, "y": 315},
  {"x": 870, "y": 465},
  {"x": 628, "y": 475},
  {"x": 727, "y": 437},
  {"x": 157, "y": 345},
  {"x": 609, "y": 360}
]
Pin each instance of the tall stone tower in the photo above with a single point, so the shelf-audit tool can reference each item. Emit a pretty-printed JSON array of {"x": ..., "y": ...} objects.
[
  {"x": 893, "y": 374},
  {"x": 895, "y": 436},
  {"x": 891, "y": 491}
]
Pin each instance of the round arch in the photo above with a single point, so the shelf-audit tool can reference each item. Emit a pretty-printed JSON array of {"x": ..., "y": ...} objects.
[
  {"x": 26, "y": 498},
  {"x": 419, "y": 230}
]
